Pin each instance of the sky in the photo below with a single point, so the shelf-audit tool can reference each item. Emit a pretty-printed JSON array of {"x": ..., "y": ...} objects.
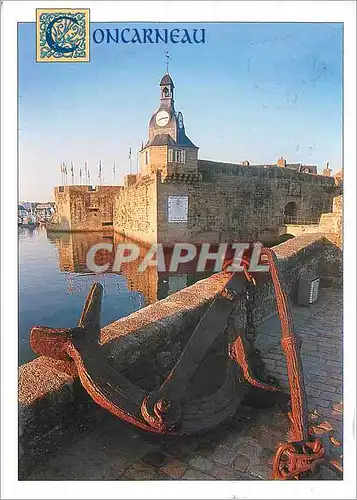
[{"x": 253, "y": 91}]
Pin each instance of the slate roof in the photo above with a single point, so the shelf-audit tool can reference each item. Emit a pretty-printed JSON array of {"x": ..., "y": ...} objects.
[
  {"x": 167, "y": 140},
  {"x": 161, "y": 140},
  {"x": 187, "y": 142},
  {"x": 167, "y": 80}
]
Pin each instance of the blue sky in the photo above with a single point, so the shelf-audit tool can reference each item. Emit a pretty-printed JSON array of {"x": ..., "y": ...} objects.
[{"x": 251, "y": 92}]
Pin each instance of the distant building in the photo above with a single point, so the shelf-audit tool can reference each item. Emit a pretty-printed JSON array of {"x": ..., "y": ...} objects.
[
  {"x": 45, "y": 209},
  {"x": 21, "y": 211}
]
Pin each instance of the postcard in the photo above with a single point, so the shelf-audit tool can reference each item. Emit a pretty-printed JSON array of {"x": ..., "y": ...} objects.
[{"x": 182, "y": 178}]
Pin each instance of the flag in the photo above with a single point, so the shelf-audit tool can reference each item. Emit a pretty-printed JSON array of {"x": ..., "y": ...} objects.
[
  {"x": 85, "y": 169},
  {"x": 129, "y": 155},
  {"x": 114, "y": 167},
  {"x": 72, "y": 171},
  {"x": 100, "y": 169}
]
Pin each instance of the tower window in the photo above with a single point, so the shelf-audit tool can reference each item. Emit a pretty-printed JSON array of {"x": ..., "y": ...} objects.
[
  {"x": 166, "y": 92},
  {"x": 177, "y": 156},
  {"x": 147, "y": 157}
]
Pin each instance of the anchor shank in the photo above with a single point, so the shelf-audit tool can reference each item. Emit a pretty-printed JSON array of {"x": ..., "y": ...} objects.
[{"x": 211, "y": 325}]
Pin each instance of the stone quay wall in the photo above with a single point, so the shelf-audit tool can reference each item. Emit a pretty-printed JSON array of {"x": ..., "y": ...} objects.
[{"x": 145, "y": 345}]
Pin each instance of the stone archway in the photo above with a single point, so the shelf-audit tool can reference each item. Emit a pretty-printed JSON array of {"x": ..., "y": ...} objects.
[
  {"x": 285, "y": 237},
  {"x": 290, "y": 212}
]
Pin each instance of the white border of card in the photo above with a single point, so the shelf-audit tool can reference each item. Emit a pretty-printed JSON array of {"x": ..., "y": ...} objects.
[{"x": 109, "y": 11}]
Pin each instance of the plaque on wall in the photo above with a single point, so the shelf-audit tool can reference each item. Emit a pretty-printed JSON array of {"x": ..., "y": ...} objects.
[{"x": 177, "y": 208}]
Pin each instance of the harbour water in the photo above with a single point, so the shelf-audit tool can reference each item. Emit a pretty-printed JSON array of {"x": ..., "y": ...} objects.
[{"x": 54, "y": 282}]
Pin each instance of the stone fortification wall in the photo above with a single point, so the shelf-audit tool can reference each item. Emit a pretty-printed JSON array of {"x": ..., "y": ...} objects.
[
  {"x": 330, "y": 223},
  {"x": 134, "y": 212},
  {"x": 84, "y": 208},
  {"x": 239, "y": 203}
]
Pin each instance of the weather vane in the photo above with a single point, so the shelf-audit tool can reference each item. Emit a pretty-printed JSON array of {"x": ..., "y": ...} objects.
[{"x": 167, "y": 55}]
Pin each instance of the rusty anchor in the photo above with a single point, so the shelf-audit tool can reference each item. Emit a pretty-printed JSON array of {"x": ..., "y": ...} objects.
[{"x": 176, "y": 407}]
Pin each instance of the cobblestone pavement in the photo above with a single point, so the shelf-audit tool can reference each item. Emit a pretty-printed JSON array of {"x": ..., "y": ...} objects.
[{"x": 242, "y": 447}]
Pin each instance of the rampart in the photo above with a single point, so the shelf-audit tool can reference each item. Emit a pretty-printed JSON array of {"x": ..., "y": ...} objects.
[
  {"x": 134, "y": 211},
  {"x": 84, "y": 208},
  {"x": 225, "y": 203},
  {"x": 144, "y": 346}
]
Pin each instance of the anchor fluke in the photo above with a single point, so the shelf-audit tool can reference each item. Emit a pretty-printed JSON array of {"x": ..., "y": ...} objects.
[
  {"x": 91, "y": 312},
  {"x": 54, "y": 342}
]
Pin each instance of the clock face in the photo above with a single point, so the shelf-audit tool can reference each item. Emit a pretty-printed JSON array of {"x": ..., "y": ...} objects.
[
  {"x": 162, "y": 118},
  {"x": 180, "y": 120}
]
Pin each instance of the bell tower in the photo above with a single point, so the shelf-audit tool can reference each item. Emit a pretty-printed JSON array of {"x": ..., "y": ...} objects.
[
  {"x": 168, "y": 148},
  {"x": 167, "y": 89},
  {"x": 164, "y": 120}
]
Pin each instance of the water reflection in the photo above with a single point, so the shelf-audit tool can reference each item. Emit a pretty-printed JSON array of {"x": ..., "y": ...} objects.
[
  {"x": 151, "y": 283},
  {"x": 54, "y": 281}
]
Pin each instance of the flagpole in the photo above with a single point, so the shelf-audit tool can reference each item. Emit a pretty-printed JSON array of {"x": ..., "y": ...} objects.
[
  {"x": 114, "y": 173},
  {"x": 100, "y": 172},
  {"x": 137, "y": 161},
  {"x": 130, "y": 161}
]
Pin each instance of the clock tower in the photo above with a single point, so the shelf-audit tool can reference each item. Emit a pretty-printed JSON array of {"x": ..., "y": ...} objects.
[{"x": 168, "y": 148}]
